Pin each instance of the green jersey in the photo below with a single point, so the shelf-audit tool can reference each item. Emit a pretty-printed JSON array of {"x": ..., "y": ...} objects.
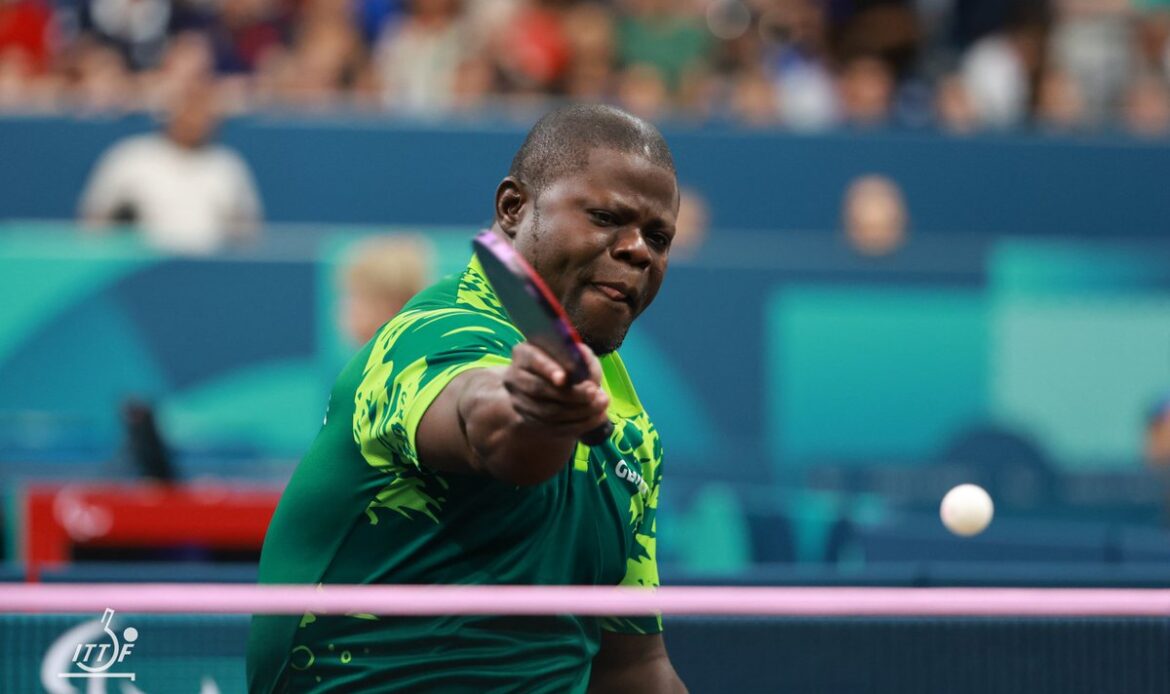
[{"x": 360, "y": 508}]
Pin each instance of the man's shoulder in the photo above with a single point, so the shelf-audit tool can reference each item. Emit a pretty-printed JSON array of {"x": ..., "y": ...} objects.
[
  {"x": 465, "y": 293},
  {"x": 134, "y": 147},
  {"x": 448, "y": 311},
  {"x": 224, "y": 154}
]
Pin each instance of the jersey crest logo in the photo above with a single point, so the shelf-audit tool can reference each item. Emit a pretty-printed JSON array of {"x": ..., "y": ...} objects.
[{"x": 632, "y": 476}]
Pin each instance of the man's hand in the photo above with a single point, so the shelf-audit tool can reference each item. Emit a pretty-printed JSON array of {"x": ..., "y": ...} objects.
[
  {"x": 518, "y": 423},
  {"x": 544, "y": 399}
]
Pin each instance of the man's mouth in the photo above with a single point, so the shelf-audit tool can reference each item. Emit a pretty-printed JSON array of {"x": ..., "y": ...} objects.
[{"x": 617, "y": 292}]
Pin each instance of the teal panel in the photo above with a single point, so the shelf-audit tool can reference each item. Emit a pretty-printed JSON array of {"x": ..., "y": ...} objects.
[
  {"x": 1061, "y": 267},
  {"x": 80, "y": 371},
  {"x": 44, "y": 271},
  {"x": 869, "y": 372},
  {"x": 711, "y": 536},
  {"x": 275, "y": 406},
  {"x": 1080, "y": 373},
  {"x": 675, "y": 406}
]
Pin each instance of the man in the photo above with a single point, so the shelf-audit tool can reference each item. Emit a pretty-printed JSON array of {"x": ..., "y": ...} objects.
[
  {"x": 450, "y": 450},
  {"x": 187, "y": 194}
]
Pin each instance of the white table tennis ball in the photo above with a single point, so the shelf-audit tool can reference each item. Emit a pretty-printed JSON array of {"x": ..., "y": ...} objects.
[{"x": 966, "y": 510}]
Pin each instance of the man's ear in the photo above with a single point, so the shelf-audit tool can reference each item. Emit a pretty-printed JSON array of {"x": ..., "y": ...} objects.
[{"x": 511, "y": 202}]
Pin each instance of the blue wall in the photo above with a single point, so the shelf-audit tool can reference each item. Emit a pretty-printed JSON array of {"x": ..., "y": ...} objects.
[{"x": 374, "y": 171}]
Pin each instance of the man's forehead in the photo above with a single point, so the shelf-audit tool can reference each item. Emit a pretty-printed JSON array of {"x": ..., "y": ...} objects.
[
  {"x": 603, "y": 154},
  {"x": 616, "y": 169}
]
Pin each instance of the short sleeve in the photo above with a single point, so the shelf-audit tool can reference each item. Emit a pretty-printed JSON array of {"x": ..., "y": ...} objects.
[
  {"x": 412, "y": 359},
  {"x": 642, "y": 563},
  {"x": 107, "y": 185}
]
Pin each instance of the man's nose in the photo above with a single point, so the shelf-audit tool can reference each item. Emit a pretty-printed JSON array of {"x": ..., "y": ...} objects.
[{"x": 630, "y": 246}]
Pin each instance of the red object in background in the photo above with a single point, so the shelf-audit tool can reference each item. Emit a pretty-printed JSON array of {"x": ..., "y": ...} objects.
[
  {"x": 25, "y": 27},
  {"x": 537, "y": 46},
  {"x": 55, "y": 518}
]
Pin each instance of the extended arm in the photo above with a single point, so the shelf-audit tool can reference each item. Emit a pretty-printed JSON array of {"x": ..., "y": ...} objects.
[{"x": 518, "y": 423}]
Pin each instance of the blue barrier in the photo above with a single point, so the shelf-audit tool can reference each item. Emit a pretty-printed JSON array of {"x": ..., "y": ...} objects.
[{"x": 380, "y": 171}]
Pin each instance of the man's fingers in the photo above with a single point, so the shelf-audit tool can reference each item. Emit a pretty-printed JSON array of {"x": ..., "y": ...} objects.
[
  {"x": 556, "y": 404},
  {"x": 531, "y": 358},
  {"x": 524, "y": 382},
  {"x": 572, "y": 422},
  {"x": 541, "y": 392},
  {"x": 593, "y": 362}
]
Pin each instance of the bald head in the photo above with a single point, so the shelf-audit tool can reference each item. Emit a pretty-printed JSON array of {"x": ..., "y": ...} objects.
[{"x": 560, "y": 143}]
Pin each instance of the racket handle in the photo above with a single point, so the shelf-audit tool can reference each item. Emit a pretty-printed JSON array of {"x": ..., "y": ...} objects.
[{"x": 597, "y": 436}]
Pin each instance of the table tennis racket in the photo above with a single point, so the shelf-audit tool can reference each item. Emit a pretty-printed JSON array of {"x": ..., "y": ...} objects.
[{"x": 535, "y": 312}]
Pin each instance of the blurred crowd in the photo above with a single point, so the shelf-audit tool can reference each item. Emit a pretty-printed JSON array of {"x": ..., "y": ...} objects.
[{"x": 962, "y": 65}]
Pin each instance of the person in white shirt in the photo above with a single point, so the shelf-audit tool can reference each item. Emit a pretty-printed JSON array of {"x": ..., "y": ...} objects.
[{"x": 185, "y": 193}]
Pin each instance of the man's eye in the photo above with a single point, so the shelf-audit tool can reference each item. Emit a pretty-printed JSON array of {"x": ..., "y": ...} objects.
[
  {"x": 602, "y": 218},
  {"x": 659, "y": 241}
]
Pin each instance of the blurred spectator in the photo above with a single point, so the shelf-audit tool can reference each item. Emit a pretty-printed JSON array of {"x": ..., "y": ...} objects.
[
  {"x": 1147, "y": 107},
  {"x": 691, "y": 224},
  {"x": 1059, "y": 104},
  {"x": 326, "y": 59},
  {"x": 243, "y": 31},
  {"x": 188, "y": 59},
  {"x": 967, "y": 64},
  {"x": 796, "y": 55},
  {"x": 874, "y": 215},
  {"x": 867, "y": 91},
  {"x": 1153, "y": 37},
  {"x": 1091, "y": 45},
  {"x": 26, "y": 33},
  {"x": 474, "y": 82},
  {"x": 21, "y": 89},
  {"x": 136, "y": 28},
  {"x": 1157, "y": 447},
  {"x": 754, "y": 101},
  {"x": 418, "y": 57},
  {"x": 886, "y": 30},
  {"x": 995, "y": 80},
  {"x": 383, "y": 273},
  {"x": 953, "y": 108},
  {"x": 372, "y": 15},
  {"x": 185, "y": 193},
  {"x": 642, "y": 91},
  {"x": 590, "y": 31},
  {"x": 534, "y": 49},
  {"x": 100, "y": 79},
  {"x": 667, "y": 35},
  {"x": 999, "y": 69}
]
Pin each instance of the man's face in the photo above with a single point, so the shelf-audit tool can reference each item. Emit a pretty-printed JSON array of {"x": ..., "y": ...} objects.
[
  {"x": 193, "y": 118},
  {"x": 600, "y": 238}
]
